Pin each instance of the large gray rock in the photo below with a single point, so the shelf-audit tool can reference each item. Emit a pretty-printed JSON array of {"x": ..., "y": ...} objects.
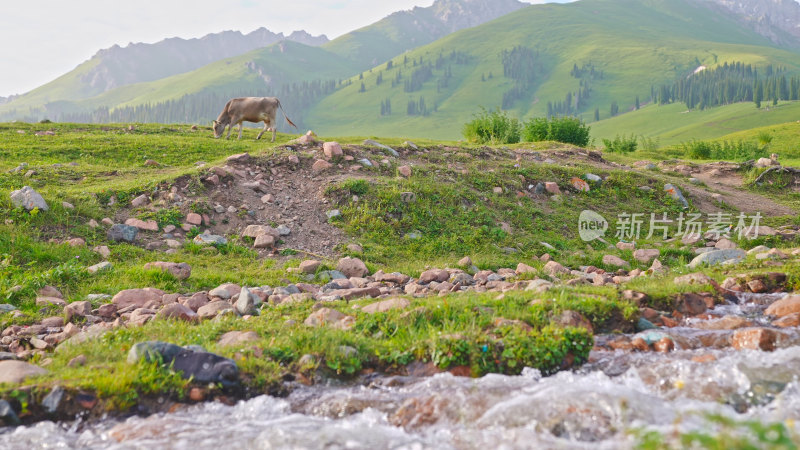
[
  {"x": 200, "y": 366},
  {"x": 149, "y": 351},
  {"x": 122, "y": 233},
  {"x": 247, "y": 302},
  {"x": 717, "y": 257},
  {"x": 15, "y": 372},
  {"x": 29, "y": 199}
]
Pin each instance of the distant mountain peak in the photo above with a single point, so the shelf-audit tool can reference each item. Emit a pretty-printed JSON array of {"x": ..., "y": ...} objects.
[
  {"x": 139, "y": 62},
  {"x": 777, "y": 20},
  {"x": 458, "y": 14}
]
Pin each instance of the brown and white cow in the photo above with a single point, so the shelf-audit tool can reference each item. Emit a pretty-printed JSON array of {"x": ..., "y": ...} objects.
[{"x": 250, "y": 109}]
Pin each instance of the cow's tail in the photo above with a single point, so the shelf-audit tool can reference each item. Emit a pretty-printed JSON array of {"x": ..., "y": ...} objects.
[{"x": 284, "y": 115}]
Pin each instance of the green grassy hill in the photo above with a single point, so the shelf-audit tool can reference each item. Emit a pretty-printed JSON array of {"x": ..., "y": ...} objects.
[
  {"x": 673, "y": 124},
  {"x": 626, "y": 48},
  {"x": 267, "y": 68},
  {"x": 635, "y": 44}
]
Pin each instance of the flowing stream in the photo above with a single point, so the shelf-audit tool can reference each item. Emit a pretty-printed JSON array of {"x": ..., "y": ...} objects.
[{"x": 603, "y": 405}]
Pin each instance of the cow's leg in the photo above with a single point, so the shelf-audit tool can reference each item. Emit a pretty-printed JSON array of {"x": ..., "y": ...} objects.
[
  {"x": 240, "y": 130},
  {"x": 274, "y": 132},
  {"x": 266, "y": 127},
  {"x": 230, "y": 127}
]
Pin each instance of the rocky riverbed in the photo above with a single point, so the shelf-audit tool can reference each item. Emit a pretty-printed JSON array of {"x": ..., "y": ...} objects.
[{"x": 711, "y": 371}]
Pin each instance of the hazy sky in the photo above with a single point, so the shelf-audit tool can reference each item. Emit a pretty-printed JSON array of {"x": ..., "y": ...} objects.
[{"x": 47, "y": 38}]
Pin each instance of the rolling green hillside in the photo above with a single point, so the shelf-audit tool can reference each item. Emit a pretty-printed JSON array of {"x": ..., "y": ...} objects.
[
  {"x": 262, "y": 70},
  {"x": 673, "y": 124},
  {"x": 574, "y": 58},
  {"x": 88, "y": 86},
  {"x": 634, "y": 44}
]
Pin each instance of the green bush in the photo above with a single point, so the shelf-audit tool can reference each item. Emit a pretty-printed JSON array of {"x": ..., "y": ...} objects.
[
  {"x": 492, "y": 128},
  {"x": 621, "y": 144},
  {"x": 569, "y": 130},
  {"x": 736, "y": 151}
]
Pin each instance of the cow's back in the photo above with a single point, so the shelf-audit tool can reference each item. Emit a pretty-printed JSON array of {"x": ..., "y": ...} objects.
[{"x": 254, "y": 109}]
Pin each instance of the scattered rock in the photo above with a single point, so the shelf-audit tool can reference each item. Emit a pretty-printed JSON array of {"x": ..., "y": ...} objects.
[
  {"x": 332, "y": 149},
  {"x": 209, "y": 239},
  {"x": 386, "y": 305},
  {"x": 616, "y": 261},
  {"x": 78, "y": 309},
  {"x": 140, "y": 201},
  {"x": 180, "y": 271},
  {"x": 50, "y": 291},
  {"x": 555, "y": 269},
  {"x": 237, "y": 338},
  {"x": 575, "y": 319},
  {"x": 784, "y": 307},
  {"x": 644, "y": 256},
  {"x": 717, "y": 257},
  {"x": 404, "y": 171},
  {"x": 139, "y": 298},
  {"x": 143, "y": 225},
  {"x": 194, "y": 219},
  {"x": 352, "y": 267},
  {"x": 676, "y": 194},
  {"x": 264, "y": 241},
  {"x": 691, "y": 304},
  {"x": 388, "y": 149},
  {"x": 320, "y": 166},
  {"x": 178, "y": 312},
  {"x": 330, "y": 317},
  {"x": 309, "y": 266},
  {"x": 7, "y": 415},
  {"x": 201, "y": 367},
  {"x": 77, "y": 361},
  {"x": 16, "y": 372},
  {"x": 214, "y": 309},
  {"x": 524, "y": 268},
  {"x": 254, "y": 231},
  {"x": 754, "y": 339},
  {"x": 247, "y": 303},
  {"x": 29, "y": 199},
  {"x": 725, "y": 244},
  {"x": 434, "y": 275}
]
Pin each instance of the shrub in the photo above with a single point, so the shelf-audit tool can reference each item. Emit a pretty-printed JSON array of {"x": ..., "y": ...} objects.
[
  {"x": 649, "y": 144},
  {"x": 697, "y": 150},
  {"x": 569, "y": 130},
  {"x": 492, "y": 128},
  {"x": 621, "y": 144},
  {"x": 725, "y": 150}
]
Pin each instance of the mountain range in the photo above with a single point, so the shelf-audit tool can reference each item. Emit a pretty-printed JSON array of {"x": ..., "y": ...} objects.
[{"x": 426, "y": 71}]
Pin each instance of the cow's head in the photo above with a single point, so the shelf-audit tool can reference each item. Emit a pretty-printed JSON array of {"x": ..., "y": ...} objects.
[{"x": 219, "y": 128}]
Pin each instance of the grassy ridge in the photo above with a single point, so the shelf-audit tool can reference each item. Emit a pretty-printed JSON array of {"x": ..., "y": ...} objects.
[
  {"x": 619, "y": 38},
  {"x": 673, "y": 124}
]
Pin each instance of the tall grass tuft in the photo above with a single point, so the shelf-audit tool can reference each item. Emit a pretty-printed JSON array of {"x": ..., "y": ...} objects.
[{"x": 492, "y": 128}]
